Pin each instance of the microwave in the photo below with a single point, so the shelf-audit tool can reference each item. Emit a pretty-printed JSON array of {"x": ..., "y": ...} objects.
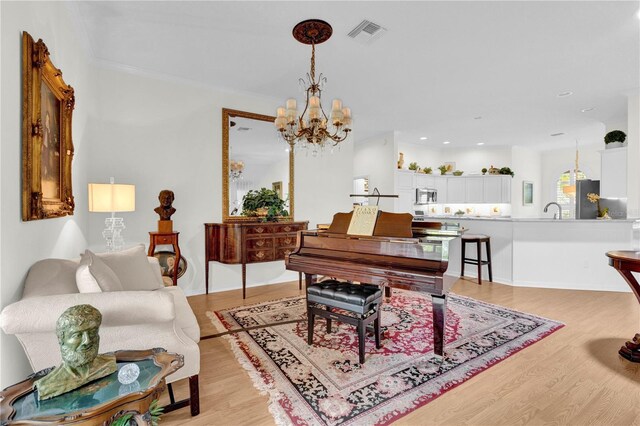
[{"x": 426, "y": 196}]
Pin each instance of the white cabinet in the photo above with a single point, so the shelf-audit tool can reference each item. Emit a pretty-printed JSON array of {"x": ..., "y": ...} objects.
[
  {"x": 440, "y": 184},
  {"x": 613, "y": 173},
  {"x": 405, "y": 180},
  {"x": 493, "y": 189},
  {"x": 425, "y": 181},
  {"x": 404, "y": 202},
  {"x": 456, "y": 189},
  {"x": 506, "y": 188},
  {"x": 474, "y": 190}
]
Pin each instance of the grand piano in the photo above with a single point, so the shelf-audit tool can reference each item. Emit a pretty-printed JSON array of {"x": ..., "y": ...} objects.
[{"x": 416, "y": 260}]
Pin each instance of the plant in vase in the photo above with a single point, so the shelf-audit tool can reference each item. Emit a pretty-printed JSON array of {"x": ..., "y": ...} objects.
[
  {"x": 427, "y": 170},
  {"x": 614, "y": 138},
  {"x": 443, "y": 169},
  {"x": 595, "y": 199},
  {"x": 264, "y": 203},
  {"x": 414, "y": 166}
]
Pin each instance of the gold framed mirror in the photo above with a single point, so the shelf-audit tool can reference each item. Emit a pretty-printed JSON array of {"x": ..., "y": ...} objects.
[{"x": 253, "y": 157}]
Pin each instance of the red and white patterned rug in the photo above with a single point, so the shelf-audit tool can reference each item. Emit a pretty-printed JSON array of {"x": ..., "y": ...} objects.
[{"x": 323, "y": 384}]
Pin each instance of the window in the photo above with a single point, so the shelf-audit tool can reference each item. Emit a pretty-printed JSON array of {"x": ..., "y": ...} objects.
[{"x": 566, "y": 192}]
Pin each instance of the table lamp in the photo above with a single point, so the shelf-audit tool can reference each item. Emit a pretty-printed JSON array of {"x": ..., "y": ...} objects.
[{"x": 111, "y": 197}]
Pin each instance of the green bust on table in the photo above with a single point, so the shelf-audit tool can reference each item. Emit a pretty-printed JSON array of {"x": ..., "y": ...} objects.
[{"x": 77, "y": 331}]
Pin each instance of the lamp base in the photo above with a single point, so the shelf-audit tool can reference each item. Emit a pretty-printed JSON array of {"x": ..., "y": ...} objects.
[
  {"x": 112, "y": 233},
  {"x": 165, "y": 226}
]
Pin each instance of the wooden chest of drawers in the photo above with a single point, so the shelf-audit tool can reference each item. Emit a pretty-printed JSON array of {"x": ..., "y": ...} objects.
[{"x": 249, "y": 242}]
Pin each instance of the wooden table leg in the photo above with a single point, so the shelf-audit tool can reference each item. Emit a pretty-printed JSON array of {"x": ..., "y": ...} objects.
[
  {"x": 439, "y": 323},
  {"x": 244, "y": 281},
  {"x": 631, "y": 348},
  {"x": 206, "y": 276}
]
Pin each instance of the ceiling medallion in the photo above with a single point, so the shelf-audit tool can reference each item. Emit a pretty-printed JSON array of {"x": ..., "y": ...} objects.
[{"x": 312, "y": 127}]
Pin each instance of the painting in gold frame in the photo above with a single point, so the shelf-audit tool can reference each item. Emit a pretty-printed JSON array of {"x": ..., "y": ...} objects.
[{"x": 47, "y": 147}]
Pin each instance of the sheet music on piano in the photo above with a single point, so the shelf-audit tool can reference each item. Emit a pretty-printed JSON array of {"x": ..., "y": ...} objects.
[{"x": 363, "y": 220}]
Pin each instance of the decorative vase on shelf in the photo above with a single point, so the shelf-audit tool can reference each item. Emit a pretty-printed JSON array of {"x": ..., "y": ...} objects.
[{"x": 401, "y": 161}]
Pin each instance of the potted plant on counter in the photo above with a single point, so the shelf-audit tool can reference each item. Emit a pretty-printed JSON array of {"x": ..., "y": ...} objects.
[
  {"x": 265, "y": 203},
  {"x": 443, "y": 169},
  {"x": 615, "y": 139},
  {"x": 414, "y": 166},
  {"x": 427, "y": 170}
]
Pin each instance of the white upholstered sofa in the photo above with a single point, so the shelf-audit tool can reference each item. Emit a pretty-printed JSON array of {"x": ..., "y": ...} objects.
[{"x": 141, "y": 314}]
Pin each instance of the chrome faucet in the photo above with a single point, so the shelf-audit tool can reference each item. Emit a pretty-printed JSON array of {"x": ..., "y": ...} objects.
[{"x": 559, "y": 216}]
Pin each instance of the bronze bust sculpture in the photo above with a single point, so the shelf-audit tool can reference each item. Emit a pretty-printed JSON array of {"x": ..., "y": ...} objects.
[
  {"x": 165, "y": 210},
  {"x": 77, "y": 331}
]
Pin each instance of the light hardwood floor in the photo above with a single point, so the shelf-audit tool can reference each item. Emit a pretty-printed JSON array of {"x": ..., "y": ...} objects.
[{"x": 573, "y": 377}]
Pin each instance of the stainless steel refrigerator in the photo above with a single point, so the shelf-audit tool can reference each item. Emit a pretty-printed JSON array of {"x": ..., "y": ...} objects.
[{"x": 584, "y": 208}]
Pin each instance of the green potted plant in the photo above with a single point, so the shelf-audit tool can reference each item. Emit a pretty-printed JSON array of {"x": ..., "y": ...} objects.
[
  {"x": 427, "y": 170},
  {"x": 414, "y": 166},
  {"x": 614, "y": 139},
  {"x": 264, "y": 203},
  {"x": 506, "y": 171},
  {"x": 443, "y": 169}
]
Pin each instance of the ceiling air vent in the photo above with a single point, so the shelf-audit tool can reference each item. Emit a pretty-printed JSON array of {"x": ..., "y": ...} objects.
[
  {"x": 367, "y": 32},
  {"x": 243, "y": 129}
]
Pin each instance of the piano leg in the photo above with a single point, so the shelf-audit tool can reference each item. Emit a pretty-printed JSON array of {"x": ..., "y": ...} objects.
[
  {"x": 439, "y": 321},
  {"x": 387, "y": 291},
  {"x": 310, "y": 321},
  {"x": 309, "y": 279}
]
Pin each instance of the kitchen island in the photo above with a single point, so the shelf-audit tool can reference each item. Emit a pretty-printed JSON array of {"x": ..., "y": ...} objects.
[{"x": 547, "y": 253}]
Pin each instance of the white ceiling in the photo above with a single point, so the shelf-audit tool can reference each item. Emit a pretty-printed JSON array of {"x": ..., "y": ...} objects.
[{"x": 439, "y": 65}]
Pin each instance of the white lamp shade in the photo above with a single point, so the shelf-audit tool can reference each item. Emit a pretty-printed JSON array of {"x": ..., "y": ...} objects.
[{"x": 110, "y": 197}]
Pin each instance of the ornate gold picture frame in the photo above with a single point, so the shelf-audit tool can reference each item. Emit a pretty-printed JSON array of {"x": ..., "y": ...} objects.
[{"x": 47, "y": 148}]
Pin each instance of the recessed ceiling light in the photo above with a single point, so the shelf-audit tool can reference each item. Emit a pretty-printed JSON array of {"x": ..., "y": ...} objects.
[
  {"x": 446, "y": 142},
  {"x": 478, "y": 117},
  {"x": 480, "y": 143},
  {"x": 557, "y": 134},
  {"x": 565, "y": 94},
  {"x": 587, "y": 109},
  {"x": 424, "y": 138}
]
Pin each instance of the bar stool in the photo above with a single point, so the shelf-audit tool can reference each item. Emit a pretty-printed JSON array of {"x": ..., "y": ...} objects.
[{"x": 477, "y": 239}]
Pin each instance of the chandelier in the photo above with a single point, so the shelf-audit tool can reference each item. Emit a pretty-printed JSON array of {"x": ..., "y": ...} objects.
[
  {"x": 235, "y": 170},
  {"x": 313, "y": 128}
]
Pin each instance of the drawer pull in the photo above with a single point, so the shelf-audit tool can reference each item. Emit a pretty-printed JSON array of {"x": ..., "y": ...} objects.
[
  {"x": 259, "y": 230},
  {"x": 287, "y": 240},
  {"x": 260, "y": 243},
  {"x": 260, "y": 254},
  {"x": 287, "y": 228}
]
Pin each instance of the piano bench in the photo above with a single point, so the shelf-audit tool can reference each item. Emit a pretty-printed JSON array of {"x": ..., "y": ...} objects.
[{"x": 363, "y": 300}]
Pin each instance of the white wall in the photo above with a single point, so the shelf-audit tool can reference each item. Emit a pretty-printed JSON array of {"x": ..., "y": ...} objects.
[
  {"x": 527, "y": 166},
  {"x": 633, "y": 155},
  {"x": 376, "y": 158},
  {"x": 23, "y": 243},
  {"x": 159, "y": 133}
]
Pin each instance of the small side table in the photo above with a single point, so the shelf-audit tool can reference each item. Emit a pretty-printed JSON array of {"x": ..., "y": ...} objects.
[
  {"x": 626, "y": 262},
  {"x": 159, "y": 238},
  {"x": 99, "y": 402}
]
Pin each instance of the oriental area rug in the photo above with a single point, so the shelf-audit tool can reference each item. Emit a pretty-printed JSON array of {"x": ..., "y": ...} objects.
[{"x": 323, "y": 384}]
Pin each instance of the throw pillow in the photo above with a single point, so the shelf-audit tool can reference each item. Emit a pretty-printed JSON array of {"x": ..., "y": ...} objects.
[
  {"x": 94, "y": 276},
  {"x": 132, "y": 268}
]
